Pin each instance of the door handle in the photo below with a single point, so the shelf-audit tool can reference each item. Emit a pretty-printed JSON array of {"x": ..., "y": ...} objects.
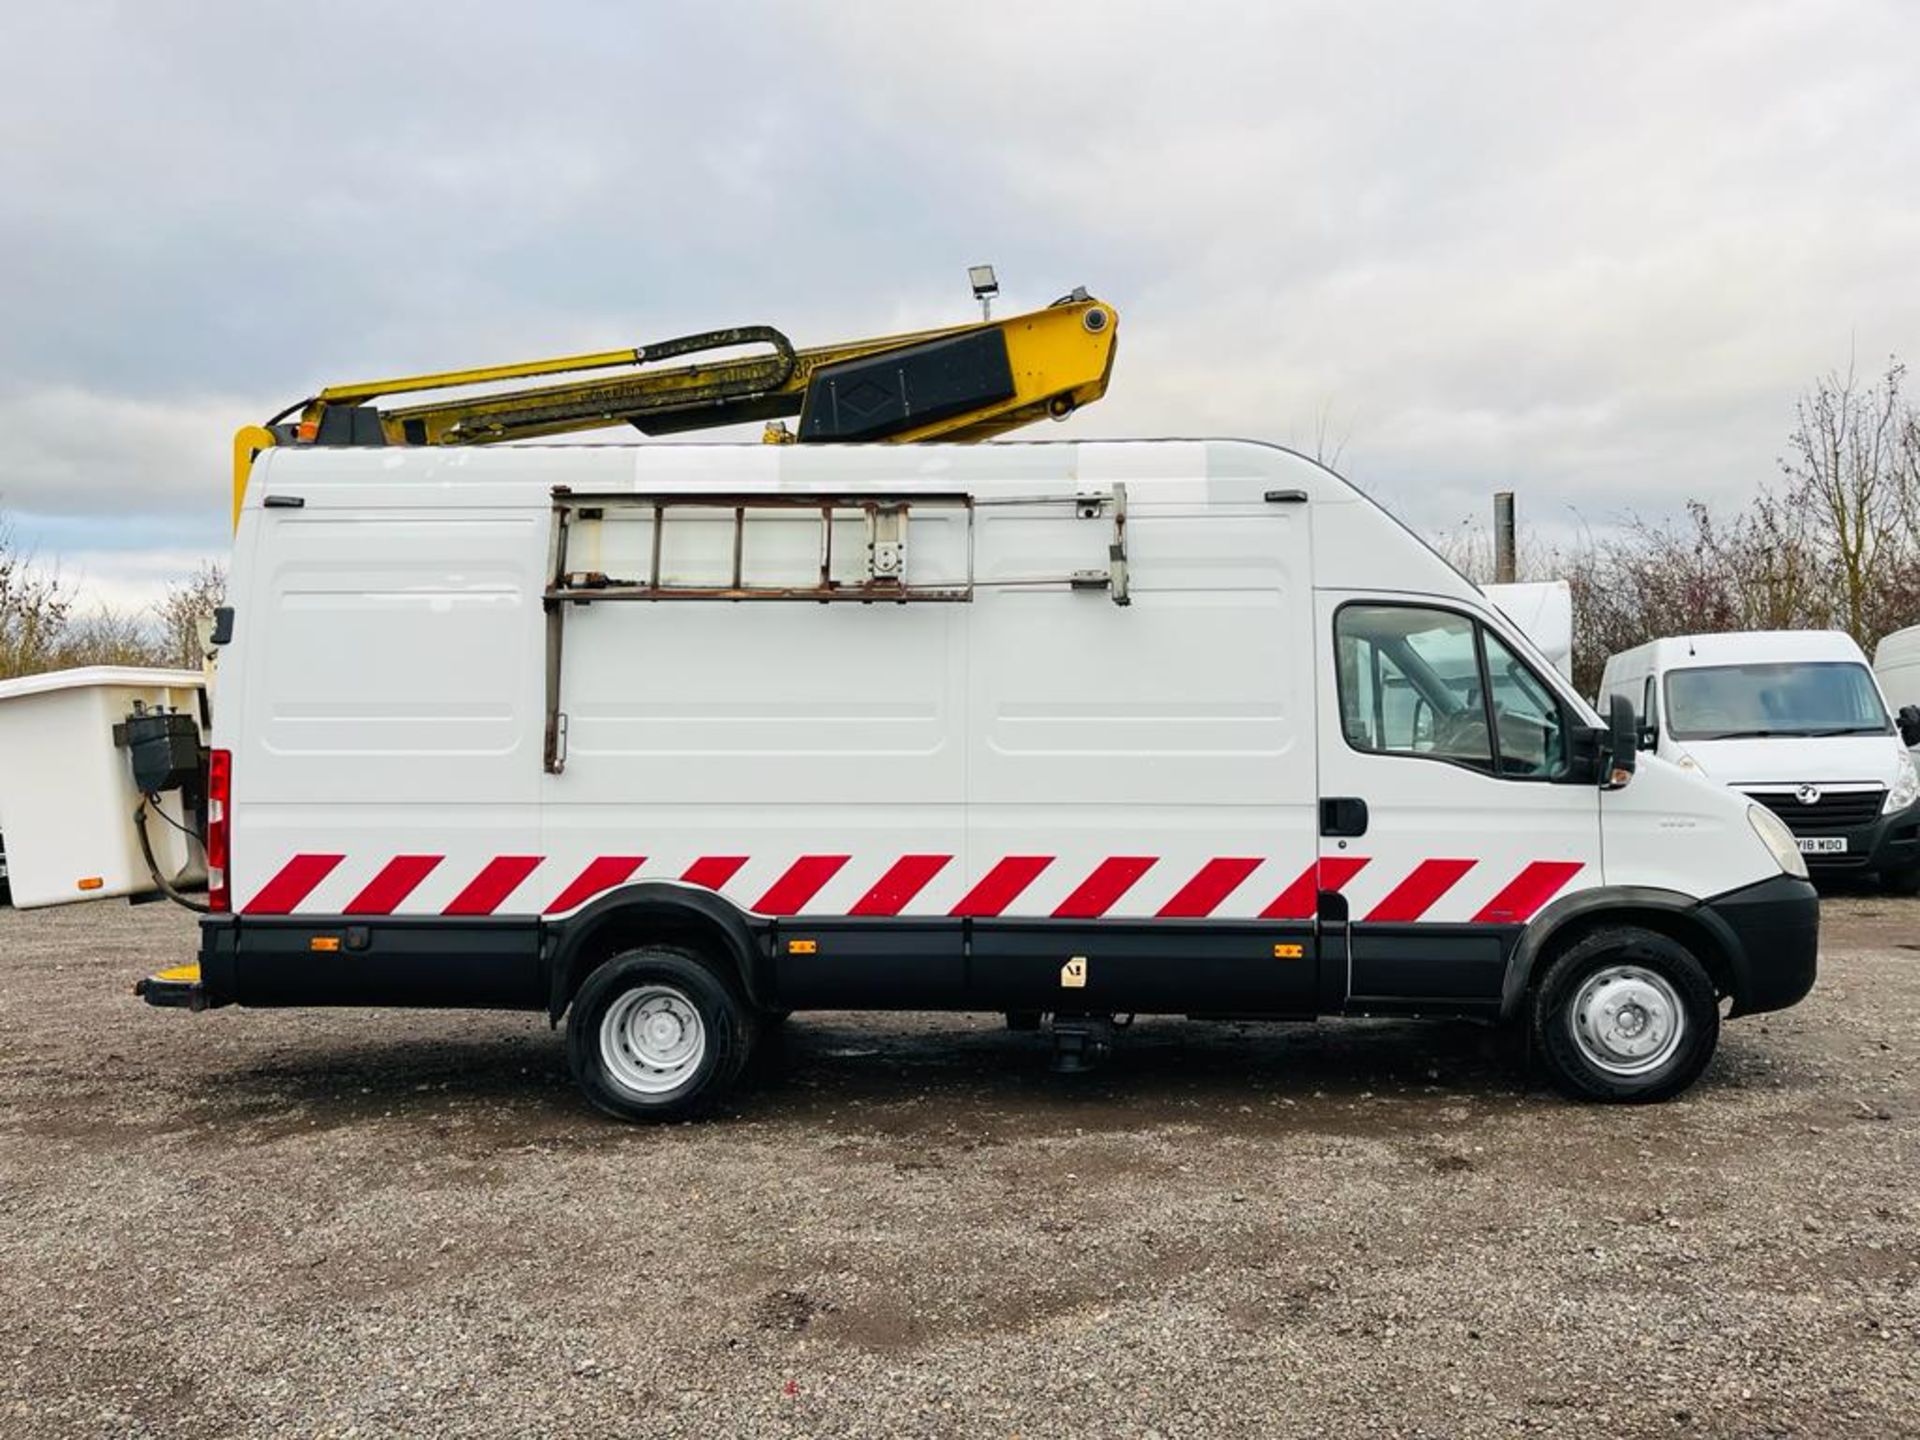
[{"x": 1343, "y": 815}]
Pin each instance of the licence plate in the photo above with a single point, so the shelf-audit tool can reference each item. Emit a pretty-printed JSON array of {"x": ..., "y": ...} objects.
[{"x": 1822, "y": 844}]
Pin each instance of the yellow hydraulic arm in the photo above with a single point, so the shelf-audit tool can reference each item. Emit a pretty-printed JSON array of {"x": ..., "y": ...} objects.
[{"x": 962, "y": 383}]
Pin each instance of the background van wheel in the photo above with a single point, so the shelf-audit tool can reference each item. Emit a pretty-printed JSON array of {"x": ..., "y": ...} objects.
[
  {"x": 656, "y": 1034},
  {"x": 1903, "y": 881},
  {"x": 1626, "y": 1015}
]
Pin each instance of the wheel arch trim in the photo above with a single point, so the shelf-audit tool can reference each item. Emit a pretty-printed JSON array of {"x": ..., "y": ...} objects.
[
  {"x": 1622, "y": 904},
  {"x": 571, "y": 938}
]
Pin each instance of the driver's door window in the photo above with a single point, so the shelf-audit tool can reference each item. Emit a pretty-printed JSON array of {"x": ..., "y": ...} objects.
[
  {"x": 1410, "y": 683},
  {"x": 1437, "y": 684}
]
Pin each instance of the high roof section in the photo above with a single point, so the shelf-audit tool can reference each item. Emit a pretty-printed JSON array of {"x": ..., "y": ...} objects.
[{"x": 1357, "y": 544}]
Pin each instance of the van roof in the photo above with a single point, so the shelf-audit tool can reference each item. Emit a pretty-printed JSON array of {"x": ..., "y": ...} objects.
[
  {"x": 1901, "y": 647},
  {"x": 1363, "y": 546},
  {"x": 1738, "y": 647},
  {"x": 440, "y": 476}
]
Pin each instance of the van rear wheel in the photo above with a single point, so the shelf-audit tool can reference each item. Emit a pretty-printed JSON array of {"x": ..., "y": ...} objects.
[
  {"x": 656, "y": 1034},
  {"x": 1626, "y": 1015}
]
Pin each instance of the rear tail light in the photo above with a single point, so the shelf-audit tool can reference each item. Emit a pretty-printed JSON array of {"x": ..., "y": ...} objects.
[{"x": 219, "y": 797}]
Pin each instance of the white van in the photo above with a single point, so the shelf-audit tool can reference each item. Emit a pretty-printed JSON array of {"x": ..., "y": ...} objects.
[
  {"x": 1543, "y": 609},
  {"x": 1794, "y": 720},
  {"x": 1896, "y": 665},
  {"x": 673, "y": 740}
]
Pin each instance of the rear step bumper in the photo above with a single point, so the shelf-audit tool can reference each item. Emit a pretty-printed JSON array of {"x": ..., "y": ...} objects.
[{"x": 176, "y": 989}]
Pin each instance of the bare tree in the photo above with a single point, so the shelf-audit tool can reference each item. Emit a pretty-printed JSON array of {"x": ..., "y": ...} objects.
[
  {"x": 105, "y": 636},
  {"x": 1835, "y": 544},
  {"x": 1328, "y": 447},
  {"x": 42, "y": 627},
  {"x": 184, "y": 610},
  {"x": 1850, "y": 463},
  {"x": 34, "y": 610}
]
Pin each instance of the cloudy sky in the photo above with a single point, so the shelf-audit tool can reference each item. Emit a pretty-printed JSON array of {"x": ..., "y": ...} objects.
[{"x": 1587, "y": 252}]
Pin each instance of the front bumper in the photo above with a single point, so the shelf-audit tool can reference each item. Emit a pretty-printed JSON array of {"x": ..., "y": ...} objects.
[
  {"x": 1888, "y": 842},
  {"x": 1893, "y": 842},
  {"x": 1771, "y": 933}
]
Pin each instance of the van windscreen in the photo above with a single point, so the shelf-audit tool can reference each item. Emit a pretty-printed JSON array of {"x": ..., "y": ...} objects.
[{"x": 1798, "y": 697}]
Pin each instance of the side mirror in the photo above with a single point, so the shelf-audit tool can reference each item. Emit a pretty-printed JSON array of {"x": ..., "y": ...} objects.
[
  {"x": 1623, "y": 743},
  {"x": 1909, "y": 723}
]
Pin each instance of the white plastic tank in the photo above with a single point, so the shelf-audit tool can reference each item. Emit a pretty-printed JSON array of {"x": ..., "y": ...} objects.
[{"x": 67, "y": 793}]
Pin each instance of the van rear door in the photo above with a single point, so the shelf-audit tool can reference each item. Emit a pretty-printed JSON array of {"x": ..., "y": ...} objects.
[{"x": 1446, "y": 820}]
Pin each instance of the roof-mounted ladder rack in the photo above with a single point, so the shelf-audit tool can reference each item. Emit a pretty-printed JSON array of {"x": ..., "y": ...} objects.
[{"x": 871, "y": 569}]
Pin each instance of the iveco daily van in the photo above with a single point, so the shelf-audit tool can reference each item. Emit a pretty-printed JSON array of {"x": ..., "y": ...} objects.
[{"x": 671, "y": 740}]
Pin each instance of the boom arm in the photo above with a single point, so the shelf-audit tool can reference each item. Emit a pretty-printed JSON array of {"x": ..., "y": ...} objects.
[{"x": 963, "y": 383}]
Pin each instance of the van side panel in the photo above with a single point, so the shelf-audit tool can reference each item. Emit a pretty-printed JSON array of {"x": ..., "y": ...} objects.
[
  {"x": 387, "y": 756},
  {"x": 797, "y": 757},
  {"x": 1035, "y": 752},
  {"x": 1159, "y": 756}
]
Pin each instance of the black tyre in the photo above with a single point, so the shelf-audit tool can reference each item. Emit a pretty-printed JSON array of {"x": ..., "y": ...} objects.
[
  {"x": 657, "y": 1033},
  {"x": 1903, "y": 881},
  {"x": 1625, "y": 1015}
]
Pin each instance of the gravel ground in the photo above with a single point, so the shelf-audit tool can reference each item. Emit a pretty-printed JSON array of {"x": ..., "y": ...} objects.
[{"x": 388, "y": 1223}]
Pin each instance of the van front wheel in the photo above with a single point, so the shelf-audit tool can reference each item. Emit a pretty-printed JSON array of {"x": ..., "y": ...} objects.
[
  {"x": 656, "y": 1034},
  {"x": 1626, "y": 1015}
]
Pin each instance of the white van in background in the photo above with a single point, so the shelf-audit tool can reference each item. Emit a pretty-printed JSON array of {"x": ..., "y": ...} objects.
[
  {"x": 1795, "y": 720},
  {"x": 1896, "y": 665},
  {"x": 1543, "y": 609}
]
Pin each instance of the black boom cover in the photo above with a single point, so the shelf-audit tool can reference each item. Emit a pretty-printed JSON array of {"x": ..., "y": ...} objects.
[{"x": 881, "y": 395}]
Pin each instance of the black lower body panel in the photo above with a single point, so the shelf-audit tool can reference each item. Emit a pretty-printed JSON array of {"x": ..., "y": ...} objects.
[
  {"x": 1159, "y": 966},
  {"x": 478, "y": 963},
  {"x": 851, "y": 964},
  {"x": 1156, "y": 967},
  {"x": 1429, "y": 967},
  {"x": 1242, "y": 967}
]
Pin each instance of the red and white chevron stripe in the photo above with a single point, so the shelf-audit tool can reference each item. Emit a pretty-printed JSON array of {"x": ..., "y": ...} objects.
[{"x": 1137, "y": 886}]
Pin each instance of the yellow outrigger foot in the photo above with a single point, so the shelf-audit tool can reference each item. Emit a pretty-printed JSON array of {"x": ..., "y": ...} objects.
[{"x": 178, "y": 988}]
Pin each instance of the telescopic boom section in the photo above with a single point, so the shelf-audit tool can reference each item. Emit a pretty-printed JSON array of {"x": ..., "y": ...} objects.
[{"x": 965, "y": 383}]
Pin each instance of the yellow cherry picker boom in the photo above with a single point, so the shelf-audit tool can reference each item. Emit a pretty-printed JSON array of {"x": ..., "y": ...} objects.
[{"x": 961, "y": 383}]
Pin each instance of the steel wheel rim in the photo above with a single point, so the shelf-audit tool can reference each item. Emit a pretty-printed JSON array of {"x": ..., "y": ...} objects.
[
  {"x": 1627, "y": 1020},
  {"x": 652, "y": 1040}
]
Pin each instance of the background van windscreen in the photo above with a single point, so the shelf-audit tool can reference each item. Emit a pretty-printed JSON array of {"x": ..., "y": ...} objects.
[{"x": 1726, "y": 702}]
